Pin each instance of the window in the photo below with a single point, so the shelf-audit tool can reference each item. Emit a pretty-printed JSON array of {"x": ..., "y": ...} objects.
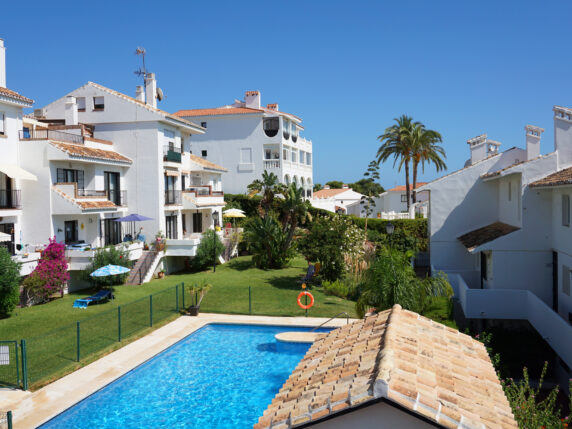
[
  {"x": 171, "y": 227},
  {"x": 565, "y": 280},
  {"x": 403, "y": 198},
  {"x": 204, "y": 153},
  {"x": 302, "y": 157},
  {"x": 293, "y": 156},
  {"x": 285, "y": 154},
  {"x": 98, "y": 103},
  {"x": 294, "y": 133},
  {"x": 67, "y": 175},
  {"x": 246, "y": 155},
  {"x": 509, "y": 191},
  {"x": 308, "y": 159},
  {"x": 285, "y": 128},
  {"x": 70, "y": 231},
  {"x": 271, "y": 126},
  {"x": 203, "y": 124},
  {"x": 80, "y": 104},
  {"x": 565, "y": 210},
  {"x": 2, "y": 124}
]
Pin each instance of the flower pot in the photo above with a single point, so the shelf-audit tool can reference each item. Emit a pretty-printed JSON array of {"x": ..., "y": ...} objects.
[{"x": 193, "y": 310}]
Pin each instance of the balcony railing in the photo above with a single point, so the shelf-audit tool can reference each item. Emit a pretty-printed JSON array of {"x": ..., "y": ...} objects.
[
  {"x": 204, "y": 191},
  {"x": 51, "y": 135},
  {"x": 270, "y": 164},
  {"x": 10, "y": 199},
  {"x": 173, "y": 197},
  {"x": 119, "y": 198},
  {"x": 171, "y": 154},
  {"x": 91, "y": 193}
]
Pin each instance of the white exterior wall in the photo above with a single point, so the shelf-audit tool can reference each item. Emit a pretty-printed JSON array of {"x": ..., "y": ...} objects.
[
  {"x": 348, "y": 199},
  {"x": 561, "y": 243},
  {"x": 509, "y": 199}
]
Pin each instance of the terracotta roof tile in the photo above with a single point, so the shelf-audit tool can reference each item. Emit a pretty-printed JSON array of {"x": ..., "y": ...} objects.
[
  {"x": 13, "y": 94},
  {"x": 82, "y": 151},
  {"x": 562, "y": 177},
  {"x": 217, "y": 111},
  {"x": 328, "y": 193},
  {"x": 207, "y": 164},
  {"x": 85, "y": 205},
  {"x": 438, "y": 373},
  {"x": 402, "y": 187},
  {"x": 471, "y": 240}
]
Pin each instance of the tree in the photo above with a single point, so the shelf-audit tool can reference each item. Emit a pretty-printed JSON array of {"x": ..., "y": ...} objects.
[
  {"x": 9, "y": 283},
  {"x": 110, "y": 255},
  {"x": 335, "y": 184},
  {"x": 317, "y": 187},
  {"x": 367, "y": 200},
  {"x": 268, "y": 186},
  {"x": 396, "y": 142},
  {"x": 265, "y": 240},
  {"x": 366, "y": 186},
  {"x": 426, "y": 149},
  {"x": 209, "y": 250},
  {"x": 295, "y": 210}
]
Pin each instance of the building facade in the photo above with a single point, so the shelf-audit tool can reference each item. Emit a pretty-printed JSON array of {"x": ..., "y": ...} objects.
[{"x": 247, "y": 139}]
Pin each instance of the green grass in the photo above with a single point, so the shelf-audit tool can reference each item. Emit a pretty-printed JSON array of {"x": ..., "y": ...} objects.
[{"x": 50, "y": 329}]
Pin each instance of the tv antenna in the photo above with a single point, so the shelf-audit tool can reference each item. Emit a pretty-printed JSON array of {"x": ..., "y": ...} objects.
[{"x": 142, "y": 71}]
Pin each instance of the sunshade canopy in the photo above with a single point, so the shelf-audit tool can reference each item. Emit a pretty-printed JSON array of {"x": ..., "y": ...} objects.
[
  {"x": 110, "y": 270},
  {"x": 133, "y": 218},
  {"x": 233, "y": 213},
  {"x": 5, "y": 237},
  {"x": 16, "y": 172}
]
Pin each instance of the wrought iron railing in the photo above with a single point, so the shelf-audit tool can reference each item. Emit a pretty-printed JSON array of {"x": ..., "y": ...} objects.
[
  {"x": 10, "y": 199},
  {"x": 51, "y": 135},
  {"x": 119, "y": 198},
  {"x": 171, "y": 154}
]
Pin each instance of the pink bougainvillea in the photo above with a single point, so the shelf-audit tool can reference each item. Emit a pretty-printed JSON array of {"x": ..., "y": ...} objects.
[{"x": 52, "y": 270}]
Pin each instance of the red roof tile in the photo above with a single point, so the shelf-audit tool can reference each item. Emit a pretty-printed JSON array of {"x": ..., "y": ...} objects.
[
  {"x": 562, "y": 177},
  {"x": 89, "y": 152},
  {"x": 473, "y": 239},
  {"x": 13, "y": 94},
  {"x": 328, "y": 193},
  {"x": 402, "y": 187},
  {"x": 217, "y": 111}
]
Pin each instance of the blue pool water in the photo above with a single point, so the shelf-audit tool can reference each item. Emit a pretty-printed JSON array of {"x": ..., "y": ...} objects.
[{"x": 221, "y": 376}]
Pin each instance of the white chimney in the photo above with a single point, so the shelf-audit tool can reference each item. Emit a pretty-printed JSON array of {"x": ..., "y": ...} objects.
[
  {"x": 140, "y": 93},
  {"x": 326, "y": 186},
  {"x": 533, "y": 141},
  {"x": 345, "y": 186},
  {"x": 151, "y": 90},
  {"x": 563, "y": 135},
  {"x": 2, "y": 64},
  {"x": 482, "y": 148},
  {"x": 252, "y": 99},
  {"x": 71, "y": 111}
]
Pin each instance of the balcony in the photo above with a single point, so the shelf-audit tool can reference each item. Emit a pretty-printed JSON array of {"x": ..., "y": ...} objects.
[
  {"x": 51, "y": 135},
  {"x": 271, "y": 164},
  {"x": 202, "y": 196},
  {"x": 119, "y": 198},
  {"x": 173, "y": 197},
  {"x": 10, "y": 199},
  {"x": 172, "y": 154}
]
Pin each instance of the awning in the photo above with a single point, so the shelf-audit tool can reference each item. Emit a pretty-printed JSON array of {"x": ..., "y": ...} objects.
[
  {"x": 474, "y": 239},
  {"x": 16, "y": 172},
  {"x": 171, "y": 173}
]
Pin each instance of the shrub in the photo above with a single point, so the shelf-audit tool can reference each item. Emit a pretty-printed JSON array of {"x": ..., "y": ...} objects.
[
  {"x": 50, "y": 275},
  {"x": 416, "y": 228},
  {"x": 9, "y": 283},
  {"x": 209, "y": 250},
  {"x": 337, "y": 288},
  {"x": 265, "y": 240},
  {"x": 110, "y": 255}
]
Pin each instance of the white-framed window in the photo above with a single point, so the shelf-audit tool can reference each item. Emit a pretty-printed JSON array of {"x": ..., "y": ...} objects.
[
  {"x": 308, "y": 159},
  {"x": 2, "y": 124},
  {"x": 403, "y": 198},
  {"x": 302, "y": 158},
  {"x": 246, "y": 155},
  {"x": 293, "y": 156},
  {"x": 565, "y": 210},
  {"x": 80, "y": 104},
  {"x": 203, "y": 124},
  {"x": 285, "y": 154},
  {"x": 510, "y": 191},
  {"x": 203, "y": 153},
  {"x": 98, "y": 103}
]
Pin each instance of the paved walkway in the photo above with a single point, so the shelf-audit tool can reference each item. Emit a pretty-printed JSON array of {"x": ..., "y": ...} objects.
[{"x": 30, "y": 409}]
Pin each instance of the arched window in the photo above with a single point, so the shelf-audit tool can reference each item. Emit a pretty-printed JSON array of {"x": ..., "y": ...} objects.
[
  {"x": 286, "y": 128},
  {"x": 294, "y": 133},
  {"x": 295, "y": 180},
  {"x": 271, "y": 126},
  {"x": 287, "y": 179}
]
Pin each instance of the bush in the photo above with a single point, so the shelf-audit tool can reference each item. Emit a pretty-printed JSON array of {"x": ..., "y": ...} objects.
[
  {"x": 265, "y": 240},
  {"x": 49, "y": 276},
  {"x": 110, "y": 255},
  {"x": 407, "y": 228},
  {"x": 337, "y": 288},
  {"x": 247, "y": 204},
  {"x": 9, "y": 283},
  {"x": 209, "y": 250}
]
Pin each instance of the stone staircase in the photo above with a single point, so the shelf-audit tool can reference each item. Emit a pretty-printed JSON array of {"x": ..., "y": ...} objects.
[{"x": 144, "y": 264}]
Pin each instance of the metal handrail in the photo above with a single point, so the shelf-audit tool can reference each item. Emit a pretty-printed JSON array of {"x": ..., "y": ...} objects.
[{"x": 332, "y": 318}]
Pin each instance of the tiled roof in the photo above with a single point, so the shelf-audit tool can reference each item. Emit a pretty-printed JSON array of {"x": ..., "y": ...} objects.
[
  {"x": 89, "y": 152},
  {"x": 85, "y": 205},
  {"x": 328, "y": 193},
  {"x": 562, "y": 177},
  {"x": 217, "y": 111},
  {"x": 402, "y": 187},
  {"x": 400, "y": 357},
  {"x": 142, "y": 103},
  {"x": 13, "y": 94},
  {"x": 207, "y": 164},
  {"x": 473, "y": 239}
]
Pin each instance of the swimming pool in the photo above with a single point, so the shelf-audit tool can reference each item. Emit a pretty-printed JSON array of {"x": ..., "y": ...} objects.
[{"x": 221, "y": 376}]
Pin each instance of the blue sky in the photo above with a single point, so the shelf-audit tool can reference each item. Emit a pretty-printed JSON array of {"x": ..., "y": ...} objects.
[{"x": 347, "y": 68}]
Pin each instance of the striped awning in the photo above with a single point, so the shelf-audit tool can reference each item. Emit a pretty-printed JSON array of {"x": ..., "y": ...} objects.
[{"x": 171, "y": 173}]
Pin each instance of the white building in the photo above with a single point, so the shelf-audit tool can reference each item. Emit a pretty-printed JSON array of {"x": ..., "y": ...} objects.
[
  {"x": 500, "y": 227},
  {"x": 343, "y": 201},
  {"x": 247, "y": 138},
  {"x": 392, "y": 204}
]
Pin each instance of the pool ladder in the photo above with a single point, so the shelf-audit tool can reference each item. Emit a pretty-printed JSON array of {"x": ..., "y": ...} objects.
[{"x": 332, "y": 318}]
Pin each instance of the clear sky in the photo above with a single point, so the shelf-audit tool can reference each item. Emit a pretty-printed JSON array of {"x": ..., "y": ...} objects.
[{"x": 347, "y": 68}]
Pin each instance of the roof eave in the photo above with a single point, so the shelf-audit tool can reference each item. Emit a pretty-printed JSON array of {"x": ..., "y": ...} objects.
[{"x": 181, "y": 123}]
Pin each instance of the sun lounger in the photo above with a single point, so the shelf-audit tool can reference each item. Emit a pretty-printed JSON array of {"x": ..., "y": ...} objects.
[{"x": 102, "y": 295}]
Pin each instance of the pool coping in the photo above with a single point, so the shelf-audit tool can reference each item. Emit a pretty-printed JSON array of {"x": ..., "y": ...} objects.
[{"x": 31, "y": 409}]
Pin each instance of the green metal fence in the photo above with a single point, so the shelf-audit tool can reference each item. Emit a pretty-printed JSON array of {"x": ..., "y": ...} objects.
[
  {"x": 5, "y": 419},
  {"x": 9, "y": 364},
  {"x": 59, "y": 351}
]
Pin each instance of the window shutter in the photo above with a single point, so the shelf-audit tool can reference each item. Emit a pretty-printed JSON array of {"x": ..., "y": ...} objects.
[{"x": 80, "y": 181}]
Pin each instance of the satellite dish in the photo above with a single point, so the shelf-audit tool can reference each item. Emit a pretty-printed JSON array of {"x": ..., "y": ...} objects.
[{"x": 159, "y": 94}]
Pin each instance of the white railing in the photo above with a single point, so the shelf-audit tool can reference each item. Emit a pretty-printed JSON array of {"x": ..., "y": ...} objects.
[
  {"x": 394, "y": 215},
  {"x": 80, "y": 259},
  {"x": 514, "y": 304},
  {"x": 270, "y": 164}
]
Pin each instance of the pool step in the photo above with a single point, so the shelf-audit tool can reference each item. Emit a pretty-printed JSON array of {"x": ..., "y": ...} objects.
[{"x": 298, "y": 337}]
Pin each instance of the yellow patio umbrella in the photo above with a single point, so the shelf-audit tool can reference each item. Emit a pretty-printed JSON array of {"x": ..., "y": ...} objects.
[{"x": 232, "y": 213}]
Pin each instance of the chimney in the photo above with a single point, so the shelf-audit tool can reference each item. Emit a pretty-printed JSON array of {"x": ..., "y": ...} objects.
[
  {"x": 2, "y": 64},
  {"x": 326, "y": 186},
  {"x": 140, "y": 93},
  {"x": 533, "y": 141},
  {"x": 71, "y": 111},
  {"x": 252, "y": 99},
  {"x": 273, "y": 106},
  {"x": 151, "y": 90},
  {"x": 345, "y": 186},
  {"x": 563, "y": 135},
  {"x": 482, "y": 148}
]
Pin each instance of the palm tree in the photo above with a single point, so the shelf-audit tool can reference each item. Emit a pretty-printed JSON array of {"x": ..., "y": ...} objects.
[
  {"x": 269, "y": 186},
  {"x": 295, "y": 210},
  {"x": 396, "y": 141},
  {"x": 426, "y": 149}
]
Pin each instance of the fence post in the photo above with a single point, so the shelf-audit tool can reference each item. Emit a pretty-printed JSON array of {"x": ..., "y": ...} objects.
[
  {"x": 24, "y": 365},
  {"x": 183, "y": 295},
  {"x": 77, "y": 336},
  {"x": 17, "y": 363},
  {"x": 9, "y": 418},
  {"x": 249, "y": 301},
  {"x": 151, "y": 310},
  {"x": 177, "y": 298},
  {"x": 119, "y": 323}
]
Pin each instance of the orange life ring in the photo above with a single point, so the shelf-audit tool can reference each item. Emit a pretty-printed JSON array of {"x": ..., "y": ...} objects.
[{"x": 302, "y": 306}]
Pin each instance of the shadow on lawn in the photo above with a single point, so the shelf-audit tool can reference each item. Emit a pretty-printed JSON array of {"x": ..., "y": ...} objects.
[
  {"x": 241, "y": 265},
  {"x": 286, "y": 282}
]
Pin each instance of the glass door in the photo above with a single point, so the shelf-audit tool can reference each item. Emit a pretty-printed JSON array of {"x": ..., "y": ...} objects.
[
  {"x": 112, "y": 187},
  {"x": 70, "y": 229}
]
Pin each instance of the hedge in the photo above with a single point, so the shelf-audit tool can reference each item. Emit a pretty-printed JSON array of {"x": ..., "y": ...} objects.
[{"x": 414, "y": 227}]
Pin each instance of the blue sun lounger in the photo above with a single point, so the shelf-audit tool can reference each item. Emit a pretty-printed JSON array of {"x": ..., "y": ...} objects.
[{"x": 102, "y": 295}]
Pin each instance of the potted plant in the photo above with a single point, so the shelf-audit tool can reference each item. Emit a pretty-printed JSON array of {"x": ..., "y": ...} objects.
[
  {"x": 161, "y": 273},
  {"x": 198, "y": 293}
]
